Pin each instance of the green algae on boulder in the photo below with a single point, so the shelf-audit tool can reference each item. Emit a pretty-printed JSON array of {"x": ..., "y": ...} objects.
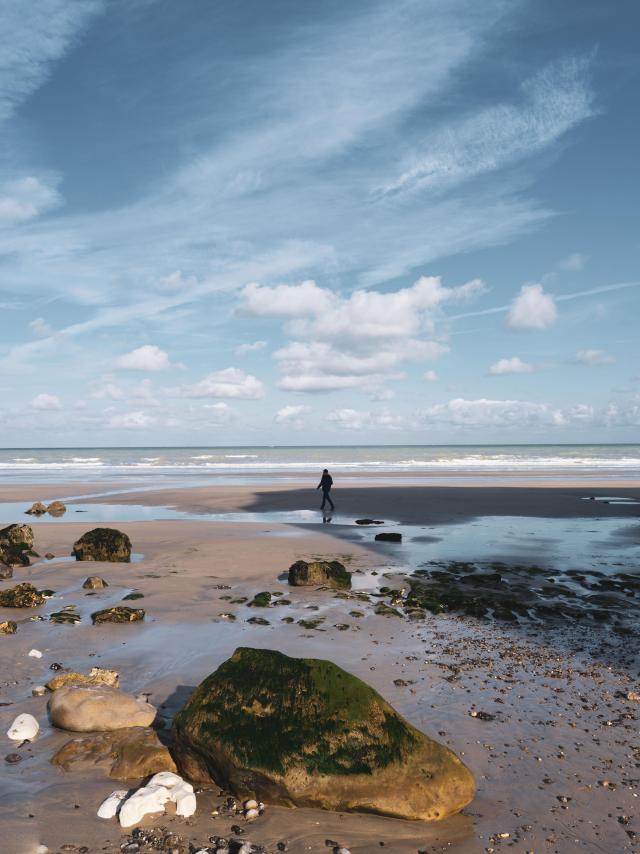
[
  {"x": 304, "y": 732},
  {"x": 22, "y": 595},
  {"x": 103, "y": 544},
  {"x": 119, "y": 614},
  {"x": 16, "y": 545},
  {"x": 260, "y": 600},
  {"x": 319, "y": 573}
]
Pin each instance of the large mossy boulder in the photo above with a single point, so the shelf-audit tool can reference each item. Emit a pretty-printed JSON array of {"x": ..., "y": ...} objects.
[
  {"x": 303, "y": 732},
  {"x": 16, "y": 545},
  {"x": 103, "y": 544},
  {"x": 319, "y": 573}
]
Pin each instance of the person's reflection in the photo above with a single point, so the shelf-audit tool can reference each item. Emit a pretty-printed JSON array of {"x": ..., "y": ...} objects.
[{"x": 326, "y": 520}]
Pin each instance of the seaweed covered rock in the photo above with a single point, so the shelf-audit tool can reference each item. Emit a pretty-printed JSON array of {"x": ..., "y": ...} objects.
[
  {"x": 8, "y": 627},
  {"x": 94, "y": 582},
  {"x": 118, "y": 614},
  {"x": 97, "y": 676},
  {"x": 103, "y": 544},
  {"x": 304, "y": 732},
  {"x": 16, "y": 545},
  {"x": 132, "y": 753},
  {"x": 319, "y": 573},
  {"x": 389, "y": 537},
  {"x": 97, "y": 708},
  {"x": 22, "y": 595}
]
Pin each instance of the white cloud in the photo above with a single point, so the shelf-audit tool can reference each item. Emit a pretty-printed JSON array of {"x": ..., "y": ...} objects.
[
  {"x": 27, "y": 198},
  {"x": 554, "y": 100},
  {"x": 46, "y": 403},
  {"x": 130, "y": 421},
  {"x": 230, "y": 382},
  {"x": 514, "y": 365},
  {"x": 430, "y": 376},
  {"x": 40, "y": 327},
  {"x": 493, "y": 413},
  {"x": 287, "y": 300},
  {"x": 532, "y": 309},
  {"x": 241, "y": 349},
  {"x": 146, "y": 358},
  {"x": 292, "y": 416},
  {"x": 574, "y": 262},
  {"x": 353, "y": 419},
  {"x": 594, "y": 357}
]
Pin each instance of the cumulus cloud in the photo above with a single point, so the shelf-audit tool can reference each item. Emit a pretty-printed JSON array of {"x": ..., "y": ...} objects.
[
  {"x": 146, "y": 358},
  {"x": 46, "y": 402},
  {"x": 292, "y": 416},
  {"x": 230, "y": 382},
  {"x": 253, "y": 347},
  {"x": 287, "y": 300},
  {"x": 40, "y": 327},
  {"x": 27, "y": 198},
  {"x": 354, "y": 419},
  {"x": 532, "y": 309},
  {"x": 594, "y": 357},
  {"x": 130, "y": 421},
  {"x": 493, "y": 413},
  {"x": 105, "y": 388},
  {"x": 514, "y": 365}
]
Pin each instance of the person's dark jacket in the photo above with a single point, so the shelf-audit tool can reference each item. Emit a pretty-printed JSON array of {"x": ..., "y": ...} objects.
[{"x": 326, "y": 482}]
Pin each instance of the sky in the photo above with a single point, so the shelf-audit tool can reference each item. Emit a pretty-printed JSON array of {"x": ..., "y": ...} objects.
[{"x": 229, "y": 222}]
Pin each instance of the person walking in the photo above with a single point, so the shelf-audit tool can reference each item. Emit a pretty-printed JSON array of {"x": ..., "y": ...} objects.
[{"x": 326, "y": 482}]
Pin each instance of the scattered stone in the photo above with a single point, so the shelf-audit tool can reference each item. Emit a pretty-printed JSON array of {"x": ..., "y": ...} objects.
[
  {"x": 13, "y": 758},
  {"x": 110, "y": 806},
  {"x": 57, "y": 508},
  {"x": 258, "y": 621},
  {"x": 319, "y": 573},
  {"x": 24, "y": 727},
  {"x": 103, "y": 544},
  {"x": 38, "y": 691},
  {"x": 284, "y": 729},
  {"x": 97, "y": 708},
  {"x": 633, "y": 696},
  {"x": 6, "y": 572},
  {"x": 17, "y": 535},
  {"x": 130, "y": 597},
  {"x": 16, "y": 546},
  {"x": 22, "y": 595},
  {"x": 37, "y": 509},
  {"x": 97, "y": 676},
  {"x": 119, "y": 614},
  {"x": 387, "y": 610},
  {"x": 150, "y": 799},
  {"x": 389, "y": 537},
  {"x": 34, "y": 653},
  {"x": 49, "y": 556},
  {"x": 8, "y": 627},
  {"x": 94, "y": 582},
  {"x": 67, "y": 615},
  {"x": 132, "y": 753},
  {"x": 260, "y": 600},
  {"x": 369, "y": 522},
  {"x": 482, "y": 716}
]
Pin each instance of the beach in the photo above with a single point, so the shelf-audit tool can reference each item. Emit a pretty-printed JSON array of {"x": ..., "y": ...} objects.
[{"x": 537, "y": 707}]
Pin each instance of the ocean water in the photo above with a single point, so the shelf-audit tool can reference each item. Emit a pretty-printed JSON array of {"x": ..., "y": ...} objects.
[{"x": 260, "y": 464}]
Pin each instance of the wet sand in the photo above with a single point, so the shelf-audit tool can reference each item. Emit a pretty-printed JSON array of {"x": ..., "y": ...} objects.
[{"x": 556, "y": 767}]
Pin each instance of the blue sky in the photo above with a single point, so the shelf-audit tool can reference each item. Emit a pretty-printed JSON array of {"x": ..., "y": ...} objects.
[{"x": 285, "y": 222}]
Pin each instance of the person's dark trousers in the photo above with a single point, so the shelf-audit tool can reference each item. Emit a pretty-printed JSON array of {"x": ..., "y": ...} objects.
[{"x": 326, "y": 497}]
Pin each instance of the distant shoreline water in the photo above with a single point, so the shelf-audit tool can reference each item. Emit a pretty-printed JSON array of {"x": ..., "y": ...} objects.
[{"x": 23, "y": 465}]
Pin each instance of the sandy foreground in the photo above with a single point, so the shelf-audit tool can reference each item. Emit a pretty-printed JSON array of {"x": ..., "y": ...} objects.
[{"x": 557, "y": 766}]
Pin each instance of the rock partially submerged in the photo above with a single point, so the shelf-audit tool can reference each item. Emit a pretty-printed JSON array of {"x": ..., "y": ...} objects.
[
  {"x": 319, "y": 573},
  {"x": 16, "y": 545},
  {"x": 97, "y": 708},
  {"x": 57, "y": 508},
  {"x": 132, "y": 753},
  {"x": 118, "y": 614},
  {"x": 389, "y": 537},
  {"x": 103, "y": 544},
  {"x": 369, "y": 522},
  {"x": 94, "y": 582},
  {"x": 97, "y": 676},
  {"x": 22, "y": 595},
  {"x": 8, "y": 627},
  {"x": 304, "y": 732}
]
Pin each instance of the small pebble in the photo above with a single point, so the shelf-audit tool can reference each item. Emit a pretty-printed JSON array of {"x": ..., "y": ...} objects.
[{"x": 35, "y": 653}]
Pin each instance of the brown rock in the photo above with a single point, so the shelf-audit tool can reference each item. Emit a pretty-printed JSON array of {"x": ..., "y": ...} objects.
[
  {"x": 57, "y": 508},
  {"x": 22, "y": 595},
  {"x": 317, "y": 573},
  {"x": 37, "y": 509},
  {"x": 17, "y": 535},
  {"x": 97, "y": 676},
  {"x": 103, "y": 544},
  {"x": 128, "y": 754},
  {"x": 8, "y": 627},
  {"x": 94, "y": 582},
  {"x": 98, "y": 709},
  {"x": 119, "y": 614}
]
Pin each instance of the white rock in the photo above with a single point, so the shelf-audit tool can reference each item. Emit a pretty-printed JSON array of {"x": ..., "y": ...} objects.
[
  {"x": 245, "y": 848},
  {"x": 250, "y": 815},
  {"x": 166, "y": 778},
  {"x": 251, "y": 804},
  {"x": 186, "y": 804},
  {"x": 35, "y": 653},
  {"x": 148, "y": 799},
  {"x": 41, "y": 849},
  {"x": 24, "y": 726},
  {"x": 109, "y": 807},
  {"x": 38, "y": 691}
]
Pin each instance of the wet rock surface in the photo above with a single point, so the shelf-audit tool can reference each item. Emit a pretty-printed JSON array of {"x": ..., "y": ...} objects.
[
  {"x": 103, "y": 544},
  {"x": 97, "y": 708},
  {"x": 8, "y": 627},
  {"x": 16, "y": 545},
  {"x": 389, "y": 537},
  {"x": 118, "y": 614},
  {"x": 319, "y": 573},
  {"x": 94, "y": 582},
  {"x": 306, "y": 732},
  {"x": 132, "y": 753},
  {"x": 97, "y": 676},
  {"x": 22, "y": 595}
]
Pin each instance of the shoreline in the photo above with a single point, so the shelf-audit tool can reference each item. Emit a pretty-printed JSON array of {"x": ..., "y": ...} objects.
[{"x": 552, "y": 691}]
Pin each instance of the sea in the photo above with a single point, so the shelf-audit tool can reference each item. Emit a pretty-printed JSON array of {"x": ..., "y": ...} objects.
[{"x": 260, "y": 464}]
